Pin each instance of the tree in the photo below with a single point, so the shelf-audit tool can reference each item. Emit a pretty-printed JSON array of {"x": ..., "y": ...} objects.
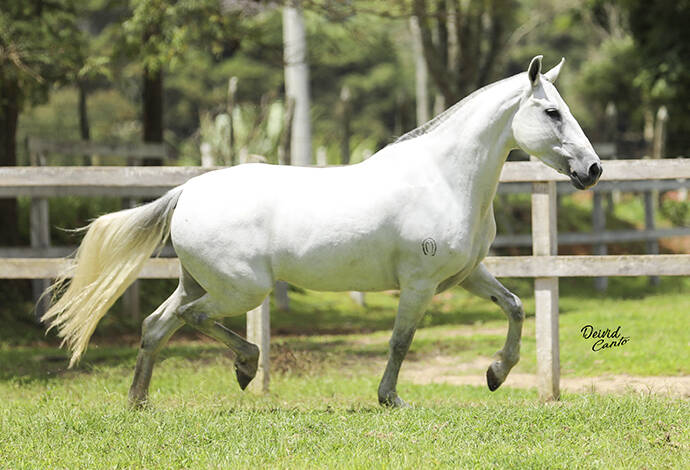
[
  {"x": 662, "y": 42},
  {"x": 159, "y": 34},
  {"x": 463, "y": 41},
  {"x": 39, "y": 47},
  {"x": 639, "y": 61}
]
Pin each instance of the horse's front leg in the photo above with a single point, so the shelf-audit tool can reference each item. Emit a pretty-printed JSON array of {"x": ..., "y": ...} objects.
[
  {"x": 413, "y": 302},
  {"x": 483, "y": 284}
]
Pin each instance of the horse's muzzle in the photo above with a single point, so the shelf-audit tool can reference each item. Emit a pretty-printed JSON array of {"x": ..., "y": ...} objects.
[{"x": 584, "y": 181}]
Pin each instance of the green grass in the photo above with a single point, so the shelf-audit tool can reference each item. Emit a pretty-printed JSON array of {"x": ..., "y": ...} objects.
[
  {"x": 200, "y": 419},
  {"x": 330, "y": 328},
  {"x": 322, "y": 410}
]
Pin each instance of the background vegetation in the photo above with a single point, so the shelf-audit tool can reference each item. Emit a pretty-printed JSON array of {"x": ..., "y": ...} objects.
[{"x": 157, "y": 71}]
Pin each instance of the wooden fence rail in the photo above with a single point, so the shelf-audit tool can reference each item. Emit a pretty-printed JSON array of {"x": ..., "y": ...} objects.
[
  {"x": 584, "y": 238},
  {"x": 140, "y": 150},
  {"x": 121, "y": 181},
  {"x": 544, "y": 265}
]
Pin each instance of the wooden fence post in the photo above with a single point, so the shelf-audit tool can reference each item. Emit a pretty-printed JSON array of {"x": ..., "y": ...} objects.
[
  {"x": 207, "y": 158},
  {"x": 345, "y": 125},
  {"x": 39, "y": 227},
  {"x": 651, "y": 198},
  {"x": 259, "y": 333},
  {"x": 611, "y": 135},
  {"x": 321, "y": 156},
  {"x": 652, "y": 246},
  {"x": 599, "y": 226},
  {"x": 232, "y": 97},
  {"x": 609, "y": 151},
  {"x": 544, "y": 243},
  {"x": 359, "y": 298},
  {"x": 131, "y": 298},
  {"x": 281, "y": 296}
]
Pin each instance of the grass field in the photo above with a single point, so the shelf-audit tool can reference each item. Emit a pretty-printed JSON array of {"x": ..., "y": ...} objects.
[{"x": 322, "y": 410}]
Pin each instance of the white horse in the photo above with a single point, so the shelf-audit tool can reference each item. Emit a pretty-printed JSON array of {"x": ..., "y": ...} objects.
[{"x": 417, "y": 216}]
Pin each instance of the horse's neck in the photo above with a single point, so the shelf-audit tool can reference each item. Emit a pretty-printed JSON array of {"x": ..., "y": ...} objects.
[{"x": 472, "y": 145}]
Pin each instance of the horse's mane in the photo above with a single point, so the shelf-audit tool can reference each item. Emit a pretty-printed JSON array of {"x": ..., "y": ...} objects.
[{"x": 443, "y": 117}]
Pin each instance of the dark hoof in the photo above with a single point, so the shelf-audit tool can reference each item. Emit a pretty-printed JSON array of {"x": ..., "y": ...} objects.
[
  {"x": 491, "y": 380},
  {"x": 393, "y": 402},
  {"x": 242, "y": 378},
  {"x": 138, "y": 403}
]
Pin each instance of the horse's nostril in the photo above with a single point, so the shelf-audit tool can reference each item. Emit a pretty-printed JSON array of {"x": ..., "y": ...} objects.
[{"x": 594, "y": 171}]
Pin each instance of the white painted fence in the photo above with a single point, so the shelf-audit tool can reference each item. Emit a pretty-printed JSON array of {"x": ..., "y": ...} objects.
[{"x": 544, "y": 265}]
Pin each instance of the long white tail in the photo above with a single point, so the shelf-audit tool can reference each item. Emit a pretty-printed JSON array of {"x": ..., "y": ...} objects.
[{"x": 113, "y": 251}]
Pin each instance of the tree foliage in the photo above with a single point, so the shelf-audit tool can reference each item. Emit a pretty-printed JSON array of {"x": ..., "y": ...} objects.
[
  {"x": 40, "y": 45},
  {"x": 478, "y": 29},
  {"x": 159, "y": 33}
]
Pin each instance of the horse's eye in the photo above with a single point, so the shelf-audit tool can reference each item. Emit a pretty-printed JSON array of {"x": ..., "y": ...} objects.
[{"x": 553, "y": 113}]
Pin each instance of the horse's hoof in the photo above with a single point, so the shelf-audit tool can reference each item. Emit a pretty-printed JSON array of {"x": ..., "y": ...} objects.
[
  {"x": 491, "y": 380},
  {"x": 393, "y": 401},
  {"x": 246, "y": 367},
  {"x": 242, "y": 378},
  {"x": 138, "y": 403}
]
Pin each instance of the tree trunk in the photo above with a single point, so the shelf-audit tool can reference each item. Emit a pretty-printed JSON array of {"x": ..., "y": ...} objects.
[
  {"x": 9, "y": 115},
  {"x": 421, "y": 75},
  {"x": 152, "y": 96},
  {"x": 298, "y": 105},
  {"x": 345, "y": 126},
  {"x": 462, "y": 46},
  {"x": 84, "y": 127},
  {"x": 297, "y": 82}
]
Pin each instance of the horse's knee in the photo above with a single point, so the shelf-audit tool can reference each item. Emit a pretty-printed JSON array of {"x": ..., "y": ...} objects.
[
  {"x": 512, "y": 305},
  {"x": 515, "y": 309}
]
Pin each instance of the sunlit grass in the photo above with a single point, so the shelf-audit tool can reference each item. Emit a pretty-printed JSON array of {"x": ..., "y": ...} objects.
[
  {"x": 200, "y": 419},
  {"x": 322, "y": 412}
]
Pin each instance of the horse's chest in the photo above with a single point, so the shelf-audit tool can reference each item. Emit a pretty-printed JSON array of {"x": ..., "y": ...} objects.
[{"x": 474, "y": 248}]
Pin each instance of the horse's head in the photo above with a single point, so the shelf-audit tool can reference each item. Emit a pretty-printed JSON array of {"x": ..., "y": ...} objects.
[{"x": 544, "y": 127}]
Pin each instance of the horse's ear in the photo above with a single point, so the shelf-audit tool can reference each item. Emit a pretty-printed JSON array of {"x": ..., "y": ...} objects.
[
  {"x": 534, "y": 69},
  {"x": 552, "y": 75}
]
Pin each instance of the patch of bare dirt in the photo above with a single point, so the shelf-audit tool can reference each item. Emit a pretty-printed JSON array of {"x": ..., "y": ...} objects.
[
  {"x": 675, "y": 245},
  {"x": 446, "y": 333},
  {"x": 444, "y": 369}
]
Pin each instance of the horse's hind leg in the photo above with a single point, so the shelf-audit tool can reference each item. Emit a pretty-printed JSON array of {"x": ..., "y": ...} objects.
[
  {"x": 156, "y": 329},
  {"x": 198, "y": 314},
  {"x": 483, "y": 284}
]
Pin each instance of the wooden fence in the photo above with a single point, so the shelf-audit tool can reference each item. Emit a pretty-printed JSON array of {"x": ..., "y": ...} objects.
[
  {"x": 38, "y": 150},
  {"x": 544, "y": 265},
  {"x": 599, "y": 234}
]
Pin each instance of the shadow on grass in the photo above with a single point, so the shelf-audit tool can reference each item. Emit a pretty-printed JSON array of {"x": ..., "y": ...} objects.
[
  {"x": 315, "y": 313},
  {"x": 32, "y": 356},
  {"x": 26, "y": 364}
]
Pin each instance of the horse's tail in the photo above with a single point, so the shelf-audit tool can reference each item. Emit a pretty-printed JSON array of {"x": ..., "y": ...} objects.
[{"x": 113, "y": 251}]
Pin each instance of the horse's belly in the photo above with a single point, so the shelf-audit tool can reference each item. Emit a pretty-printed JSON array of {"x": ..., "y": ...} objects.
[{"x": 359, "y": 266}]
